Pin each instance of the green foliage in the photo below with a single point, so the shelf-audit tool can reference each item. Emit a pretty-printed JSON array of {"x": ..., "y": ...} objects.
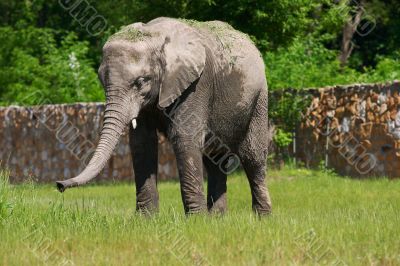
[
  {"x": 271, "y": 23},
  {"x": 386, "y": 69},
  {"x": 282, "y": 139},
  {"x": 45, "y": 51},
  {"x": 285, "y": 109},
  {"x": 303, "y": 64},
  {"x": 308, "y": 64},
  {"x": 36, "y": 69},
  {"x": 285, "y": 112}
]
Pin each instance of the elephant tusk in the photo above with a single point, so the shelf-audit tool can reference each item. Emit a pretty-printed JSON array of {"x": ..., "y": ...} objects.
[{"x": 134, "y": 124}]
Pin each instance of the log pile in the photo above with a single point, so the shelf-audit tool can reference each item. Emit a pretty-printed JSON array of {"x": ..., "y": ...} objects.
[{"x": 357, "y": 127}]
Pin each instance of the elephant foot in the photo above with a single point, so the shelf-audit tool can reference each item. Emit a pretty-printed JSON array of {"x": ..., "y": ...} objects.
[
  {"x": 218, "y": 207},
  {"x": 147, "y": 212},
  {"x": 196, "y": 212},
  {"x": 262, "y": 212},
  {"x": 147, "y": 208},
  {"x": 195, "y": 208}
]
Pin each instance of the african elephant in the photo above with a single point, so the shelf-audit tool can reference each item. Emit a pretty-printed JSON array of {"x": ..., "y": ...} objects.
[{"x": 203, "y": 85}]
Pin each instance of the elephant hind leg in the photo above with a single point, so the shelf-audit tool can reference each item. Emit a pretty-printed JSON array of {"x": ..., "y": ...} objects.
[
  {"x": 253, "y": 151},
  {"x": 261, "y": 201},
  {"x": 216, "y": 189}
]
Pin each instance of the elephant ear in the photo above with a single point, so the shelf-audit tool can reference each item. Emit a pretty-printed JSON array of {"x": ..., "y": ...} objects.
[{"x": 185, "y": 58}]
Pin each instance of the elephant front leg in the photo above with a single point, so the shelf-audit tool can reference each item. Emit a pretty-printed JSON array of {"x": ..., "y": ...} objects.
[
  {"x": 190, "y": 167},
  {"x": 144, "y": 148},
  {"x": 216, "y": 191}
]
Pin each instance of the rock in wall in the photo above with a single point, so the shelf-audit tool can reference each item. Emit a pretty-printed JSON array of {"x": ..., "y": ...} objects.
[
  {"x": 53, "y": 142},
  {"x": 356, "y": 128}
]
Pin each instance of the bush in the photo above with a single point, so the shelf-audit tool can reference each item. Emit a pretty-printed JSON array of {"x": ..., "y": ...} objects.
[
  {"x": 308, "y": 63},
  {"x": 386, "y": 69},
  {"x": 34, "y": 68},
  {"x": 305, "y": 64}
]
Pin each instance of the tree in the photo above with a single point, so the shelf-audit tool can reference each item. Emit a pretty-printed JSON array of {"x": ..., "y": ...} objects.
[{"x": 349, "y": 29}]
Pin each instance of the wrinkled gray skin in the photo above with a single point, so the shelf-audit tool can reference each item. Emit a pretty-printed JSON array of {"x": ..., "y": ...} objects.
[{"x": 210, "y": 80}]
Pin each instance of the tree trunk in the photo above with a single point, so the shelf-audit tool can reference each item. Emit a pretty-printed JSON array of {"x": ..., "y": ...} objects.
[{"x": 349, "y": 30}]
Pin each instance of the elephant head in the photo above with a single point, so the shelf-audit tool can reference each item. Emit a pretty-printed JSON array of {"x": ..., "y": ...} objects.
[{"x": 143, "y": 65}]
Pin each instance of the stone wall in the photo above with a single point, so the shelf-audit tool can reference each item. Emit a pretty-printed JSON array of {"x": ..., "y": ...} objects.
[
  {"x": 355, "y": 129},
  {"x": 54, "y": 142}
]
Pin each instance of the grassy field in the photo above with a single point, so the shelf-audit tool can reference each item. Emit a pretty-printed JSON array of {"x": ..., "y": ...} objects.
[{"x": 318, "y": 218}]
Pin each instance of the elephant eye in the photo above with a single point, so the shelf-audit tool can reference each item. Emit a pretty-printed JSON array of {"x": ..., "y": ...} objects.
[{"x": 139, "y": 82}]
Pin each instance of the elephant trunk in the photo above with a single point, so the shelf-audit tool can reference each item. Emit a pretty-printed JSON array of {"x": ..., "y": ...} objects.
[{"x": 113, "y": 126}]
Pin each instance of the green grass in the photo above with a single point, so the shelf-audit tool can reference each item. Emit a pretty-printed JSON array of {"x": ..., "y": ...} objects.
[{"x": 317, "y": 218}]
